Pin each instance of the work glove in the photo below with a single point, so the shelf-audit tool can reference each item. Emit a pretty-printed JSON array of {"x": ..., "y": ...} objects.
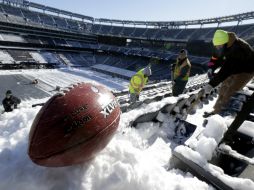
[
  {"x": 207, "y": 88},
  {"x": 210, "y": 73}
]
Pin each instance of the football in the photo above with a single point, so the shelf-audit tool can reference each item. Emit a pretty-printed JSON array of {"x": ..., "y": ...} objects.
[{"x": 73, "y": 125}]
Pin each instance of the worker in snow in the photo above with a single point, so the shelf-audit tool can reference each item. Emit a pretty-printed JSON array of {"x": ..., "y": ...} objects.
[
  {"x": 137, "y": 83},
  {"x": 181, "y": 73},
  {"x": 237, "y": 68},
  {"x": 10, "y": 102},
  {"x": 35, "y": 81}
]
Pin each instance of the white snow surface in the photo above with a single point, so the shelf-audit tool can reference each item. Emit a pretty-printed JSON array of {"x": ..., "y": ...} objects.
[{"x": 136, "y": 158}]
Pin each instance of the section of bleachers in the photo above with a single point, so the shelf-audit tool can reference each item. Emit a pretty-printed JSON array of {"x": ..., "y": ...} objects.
[
  {"x": 131, "y": 57},
  {"x": 73, "y": 43},
  {"x": 46, "y": 19},
  {"x": 60, "y": 42},
  {"x": 72, "y": 24},
  {"x": 185, "y": 34},
  {"x": 95, "y": 28},
  {"x": 11, "y": 10},
  {"x": 14, "y": 19},
  {"x": 60, "y": 22},
  {"x": 74, "y": 59},
  {"x": 127, "y": 31},
  {"x": 51, "y": 58},
  {"x": 105, "y": 30},
  {"x": 65, "y": 60},
  {"x": 88, "y": 58},
  {"x": 150, "y": 33},
  {"x": 11, "y": 38},
  {"x": 21, "y": 15},
  {"x": 21, "y": 56},
  {"x": 33, "y": 39},
  {"x": 47, "y": 41},
  {"x": 5, "y": 58},
  {"x": 247, "y": 32},
  {"x": 31, "y": 16},
  {"x": 113, "y": 71},
  {"x": 38, "y": 57},
  {"x": 138, "y": 32},
  {"x": 117, "y": 30}
]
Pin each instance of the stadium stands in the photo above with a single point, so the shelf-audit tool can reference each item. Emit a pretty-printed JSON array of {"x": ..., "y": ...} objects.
[
  {"x": 102, "y": 29},
  {"x": 50, "y": 57},
  {"x": 60, "y": 37},
  {"x": 21, "y": 56},
  {"x": 114, "y": 71}
]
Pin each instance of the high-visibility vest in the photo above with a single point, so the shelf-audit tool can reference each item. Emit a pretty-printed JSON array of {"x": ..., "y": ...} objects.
[
  {"x": 138, "y": 81},
  {"x": 178, "y": 68}
]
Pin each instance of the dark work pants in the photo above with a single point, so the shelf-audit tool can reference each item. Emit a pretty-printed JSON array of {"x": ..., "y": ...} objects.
[
  {"x": 230, "y": 86},
  {"x": 178, "y": 87},
  {"x": 133, "y": 98}
]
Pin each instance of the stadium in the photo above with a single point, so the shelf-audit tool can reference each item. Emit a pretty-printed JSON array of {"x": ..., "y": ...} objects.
[{"x": 59, "y": 48}]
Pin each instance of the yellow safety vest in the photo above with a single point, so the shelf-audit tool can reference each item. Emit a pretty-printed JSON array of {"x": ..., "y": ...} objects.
[
  {"x": 178, "y": 68},
  {"x": 138, "y": 81}
]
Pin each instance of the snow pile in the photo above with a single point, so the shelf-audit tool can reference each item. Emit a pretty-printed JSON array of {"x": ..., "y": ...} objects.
[
  {"x": 209, "y": 138},
  {"x": 215, "y": 128},
  {"x": 206, "y": 147},
  {"x": 201, "y": 149},
  {"x": 134, "y": 159}
]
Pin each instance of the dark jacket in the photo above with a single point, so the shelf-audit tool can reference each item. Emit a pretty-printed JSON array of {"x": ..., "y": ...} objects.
[
  {"x": 10, "y": 103},
  {"x": 238, "y": 57}
]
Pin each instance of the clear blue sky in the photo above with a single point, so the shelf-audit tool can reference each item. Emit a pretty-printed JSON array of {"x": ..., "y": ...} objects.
[{"x": 152, "y": 10}]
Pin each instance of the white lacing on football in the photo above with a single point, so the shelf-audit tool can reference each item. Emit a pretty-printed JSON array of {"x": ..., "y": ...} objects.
[{"x": 65, "y": 90}]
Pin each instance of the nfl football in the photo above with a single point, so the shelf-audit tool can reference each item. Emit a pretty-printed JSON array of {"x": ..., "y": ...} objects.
[{"x": 73, "y": 125}]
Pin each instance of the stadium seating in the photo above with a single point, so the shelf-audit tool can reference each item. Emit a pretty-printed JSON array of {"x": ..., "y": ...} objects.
[{"x": 75, "y": 41}]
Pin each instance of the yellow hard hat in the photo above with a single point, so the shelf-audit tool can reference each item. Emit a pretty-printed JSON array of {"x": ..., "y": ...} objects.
[{"x": 220, "y": 37}]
